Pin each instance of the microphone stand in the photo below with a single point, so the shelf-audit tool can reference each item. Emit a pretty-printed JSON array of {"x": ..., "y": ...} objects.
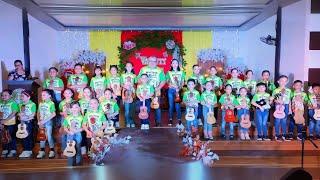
[{"x": 304, "y": 135}]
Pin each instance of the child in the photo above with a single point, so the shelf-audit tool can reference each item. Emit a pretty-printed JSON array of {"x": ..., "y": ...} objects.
[
  {"x": 297, "y": 93},
  {"x": 84, "y": 106},
  {"x": 64, "y": 108},
  {"x": 243, "y": 106},
  {"x": 73, "y": 126},
  {"x": 110, "y": 107},
  {"x": 227, "y": 101},
  {"x": 235, "y": 82},
  {"x": 282, "y": 97},
  {"x": 128, "y": 80},
  {"x": 54, "y": 83},
  {"x": 191, "y": 98},
  {"x": 208, "y": 100},
  {"x": 199, "y": 81},
  {"x": 265, "y": 79},
  {"x": 176, "y": 79},
  {"x": 250, "y": 84},
  {"x": 144, "y": 93},
  {"x": 314, "y": 102},
  {"x": 94, "y": 121},
  {"x": 98, "y": 82},
  {"x": 261, "y": 100},
  {"x": 8, "y": 109},
  {"x": 113, "y": 82},
  {"x": 27, "y": 112},
  {"x": 46, "y": 113},
  {"x": 78, "y": 81}
]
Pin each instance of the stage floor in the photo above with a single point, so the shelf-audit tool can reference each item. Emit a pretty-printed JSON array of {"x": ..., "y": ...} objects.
[{"x": 154, "y": 155}]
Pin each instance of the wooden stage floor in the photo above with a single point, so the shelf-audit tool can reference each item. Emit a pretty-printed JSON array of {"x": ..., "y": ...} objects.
[{"x": 154, "y": 155}]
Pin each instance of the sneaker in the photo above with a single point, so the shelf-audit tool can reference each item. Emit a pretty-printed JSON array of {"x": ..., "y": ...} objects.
[
  {"x": 23, "y": 154},
  {"x": 266, "y": 138},
  {"x": 247, "y": 137},
  {"x": 278, "y": 138},
  {"x": 170, "y": 123},
  {"x": 200, "y": 122},
  {"x": 211, "y": 138},
  {"x": 128, "y": 126},
  {"x": 12, "y": 153},
  {"x": 259, "y": 138},
  {"x": 41, "y": 155},
  {"x": 52, "y": 154},
  {"x": 146, "y": 127},
  {"x": 231, "y": 137},
  {"x": 242, "y": 137},
  {"x": 284, "y": 138},
  {"x": 133, "y": 125},
  {"x": 222, "y": 136},
  {"x": 142, "y": 126},
  {"x": 4, "y": 153},
  {"x": 290, "y": 136},
  {"x": 299, "y": 137},
  {"x": 117, "y": 124}
]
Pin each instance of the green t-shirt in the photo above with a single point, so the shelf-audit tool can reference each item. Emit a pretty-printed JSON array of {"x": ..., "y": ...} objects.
[
  {"x": 198, "y": 78},
  {"x": 208, "y": 97},
  {"x": 191, "y": 96},
  {"x": 143, "y": 89},
  {"x": 236, "y": 84},
  {"x": 94, "y": 119},
  {"x": 8, "y": 107},
  {"x": 243, "y": 100},
  {"x": 28, "y": 108},
  {"x": 73, "y": 122},
  {"x": 46, "y": 108},
  {"x": 227, "y": 100},
  {"x": 114, "y": 83},
  {"x": 65, "y": 106},
  {"x": 128, "y": 78},
  {"x": 78, "y": 79},
  {"x": 250, "y": 85},
  {"x": 217, "y": 81},
  {"x": 286, "y": 96},
  {"x": 261, "y": 96},
  {"x": 302, "y": 94},
  {"x": 84, "y": 104},
  {"x": 176, "y": 78},
  {"x": 155, "y": 75},
  {"x": 98, "y": 83},
  {"x": 313, "y": 99},
  {"x": 270, "y": 85},
  {"x": 56, "y": 82},
  {"x": 109, "y": 106}
]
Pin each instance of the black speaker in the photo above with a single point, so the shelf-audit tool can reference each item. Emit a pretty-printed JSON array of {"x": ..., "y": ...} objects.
[{"x": 297, "y": 174}]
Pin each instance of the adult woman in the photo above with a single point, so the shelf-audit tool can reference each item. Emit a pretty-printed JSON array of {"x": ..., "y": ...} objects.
[{"x": 19, "y": 74}]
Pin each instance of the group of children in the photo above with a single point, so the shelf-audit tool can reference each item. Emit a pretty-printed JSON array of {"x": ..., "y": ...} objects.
[{"x": 83, "y": 110}]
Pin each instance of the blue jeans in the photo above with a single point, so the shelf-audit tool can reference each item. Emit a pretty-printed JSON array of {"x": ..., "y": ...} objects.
[
  {"x": 261, "y": 122},
  {"x": 282, "y": 122},
  {"x": 292, "y": 124},
  {"x": 314, "y": 125},
  {"x": 193, "y": 123},
  {"x": 78, "y": 158},
  {"x": 28, "y": 141},
  {"x": 48, "y": 126},
  {"x": 206, "y": 127},
  {"x": 13, "y": 144},
  {"x": 128, "y": 108},
  {"x": 223, "y": 125},
  {"x": 147, "y": 104},
  {"x": 173, "y": 105},
  {"x": 240, "y": 113}
]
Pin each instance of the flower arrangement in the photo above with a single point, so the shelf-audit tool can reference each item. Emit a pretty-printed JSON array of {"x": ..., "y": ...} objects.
[
  {"x": 88, "y": 56},
  {"x": 210, "y": 54}
]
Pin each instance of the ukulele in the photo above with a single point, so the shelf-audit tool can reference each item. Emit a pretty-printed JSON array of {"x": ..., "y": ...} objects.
[
  {"x": 245, "y": 121},
  {"x": 177, "y": 98},
  {"x": 316, "y": 115},
  {"x": 210, "y": 116},
  {"x": 190, "y": 114},
  {"x": 5, "y": 135},
  {"x": 70, "y": 150},
  {"x": 143, "y": 114},
  {"x": 155, "y": 102},
  {"x": 279, "y": 112},
  {"x": 127, "y": 94},
  {"x": 116, "y": 89},
  {"x": 110, "y": 129},
  {"x": 298, "y": 109},
  {"x": 22, "y": 127}
]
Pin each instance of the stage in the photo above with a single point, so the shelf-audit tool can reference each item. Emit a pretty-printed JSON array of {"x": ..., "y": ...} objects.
[{"x": 153, "y": 154}]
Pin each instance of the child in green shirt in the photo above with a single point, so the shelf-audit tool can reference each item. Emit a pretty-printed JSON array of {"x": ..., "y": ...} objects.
[
  {"x": 113, "y": 82},
  {"x": 73, "y": 127},
  {"x": 54, "y": 83},
  {"x": 227, "y": 101},
  {"x": 27, "y": 112},
  {"x": 110, "y": 107},
  {"x": 191, "y": 98},
  {"x": 217, "y": 81},
  {"x": 98, "y": 82},
  {"x": 78, "y": 81},
  {"x": 235, "y": 82},
  {"x": 261, "y": 101},
  {"x": 8, "y": 110},
  {"x": 208, "y": 100},
  {"x": 243, "y": 106},
  {"x": 46, "y": 113},
  {"x": 265, "y": 79},
  {"x": 250, "y": 83},
  {"x": 314, "y": 103}
]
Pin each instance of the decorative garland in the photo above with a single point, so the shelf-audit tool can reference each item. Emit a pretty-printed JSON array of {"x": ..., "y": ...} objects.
[{"x": 154, "y": 39}]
